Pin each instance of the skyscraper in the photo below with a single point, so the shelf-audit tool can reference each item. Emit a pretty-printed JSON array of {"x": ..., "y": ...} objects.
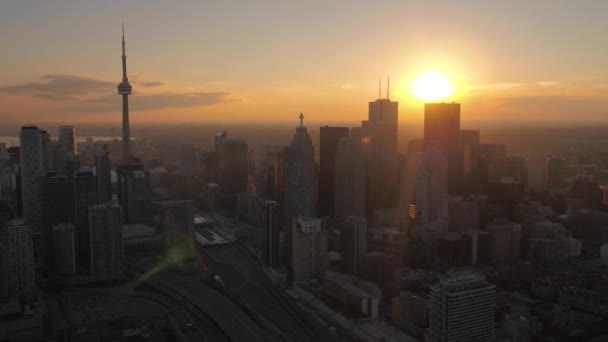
[
  {"x": 353, "y": 243},
  {"x": 47, "y": 162},
  {"x": 309, "y": 252},
  {"x": 106, "y": 241},
  {"x": 300, "y": 181},
  {"x": 187, "y": 156},
  {"x": 16, "y": 258},
  {"x": 442, "y": 131},
  {"x": 177, "y": 227},
  {"x": 64, "y": 249},
  {"x": 104, "y": 175},
  {"x": 470, "y": 155},
  {"x": 462, "y": 308},
  {"x": 32, "y": 170},
  {"x": 233, "y": 169},
  {"x": 271, "y": 233},
  {"x": 381, "y": 129},
  {"x": 349, "y": 179},
  {"x": 132, "y": 191},
  {"x": 329, "y": 138},
  {"x": 67, "y": 140},
  {"x": 125, "y": 89},
  {"x": 84, "y": 195},
  {"x": 430, "y": 195}
]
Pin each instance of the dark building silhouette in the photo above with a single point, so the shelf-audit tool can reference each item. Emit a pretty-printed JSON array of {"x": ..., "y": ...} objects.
[
  {"x": 329, "y": 138},
  {"x": 104, "y": 175},
  {"x": 272, "y": 225},
  {"x": 442, "y": 131},
  {"x": 84, "y": 195}
]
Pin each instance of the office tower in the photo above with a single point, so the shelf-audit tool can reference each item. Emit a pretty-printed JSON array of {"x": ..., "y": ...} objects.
[
  {"x": 47, "y": 162},
  {"x": 464, "y": 215},
  {"x": 442, "y": 131},
  {"x": 106, "y": 241},
  {"x": 407, "y": 185},
  {"x": 3, "y": 151},
  {"x": 187, "y": 157},
  {"x": 381, "y": 129},
  {"x": 55, "y": 206},
  {"x": 309, "y": 253},
  {"x": 555, "y": 171},
  {"x": 103, "y": 172},
  {"x": 210, "y": 167},
  {"x": 274, "y": 175},
  {"x": 512, "y": 168},
  {"x": 470, "y": 155},
  {"x": 132, "y": 191},
  {"x": 16, "y": 258},
  {"x": 462, "y": 308},
  {"x": 350, "y": 179},
  {"x": 211, "y": 196},
  {"x": 218, "y": 141},
  {"x": 300, "y": 181},
  {"x": 430, "y": 202},
  {"x": 353, "y": 243},
  {"x": 449, "y": 248},
  {"x": 233, "y": 168},
  {"x": 125, "y": 89},
  {"x": 551, "y": 242},
  {"x": 272, "y": 227},
  {"x": 476, "y": 247},
  {"x": 67, "y": 140},
  {"x": 89, "y": 152},
  {"x": 84, "y": 192},
  {"x": 32, "y": 170},
  {"x": 64, "y": 249},
  {"x": 177, "y": 228},
  {"x": 329, "y": 138},
  {"x": 505, "y": 240}
]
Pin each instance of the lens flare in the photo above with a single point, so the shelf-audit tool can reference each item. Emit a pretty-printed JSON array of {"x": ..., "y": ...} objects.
[{"x": 431, "y": 86}]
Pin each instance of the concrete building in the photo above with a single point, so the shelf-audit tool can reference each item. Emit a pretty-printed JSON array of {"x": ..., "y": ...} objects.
[
  {"x": 328, "y": 145},
  {"x": 300, "y": 182},
  {"x": 32, "y": 170},
  {"x": 505, "y": 240},
  {"x": 105, "y": 221},
  {"x": 349, "y": 193},
  {"x": 381, "y": 130},
  {"x": 462, "y": 308},
  {"x": 476, "y": 247},
  {"x": 16, "y": 258},
  {"x": 64, "y": 249},
  {"x": 272, "y": 225},
  {"x": 309, "y": 252},
  {"x": 442, "y": 131},
  {"x": 360, "y": 297},
  {"x": 551, "y": 242},
  {"x": 83, "y": 196},
  {"x": 353, "y": 243},
  {"x": 212, "y": 191}
]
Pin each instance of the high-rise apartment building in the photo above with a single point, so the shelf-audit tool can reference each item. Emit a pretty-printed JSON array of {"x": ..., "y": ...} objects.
[
  {"x": 47, "y": 160},
  {"x": 300, "y": 182},
  {"x": 462, "y": 309},
  {"x": 442, "y": 131},
  {"x": 16, "y": 258},
  {"x": 106, "y": 256},
  {"x": 32, "y": 171},
  {"x": 328, "y": 145},
  {"x": 67, "y": 140},
  {"x": 350, "y": 179}
]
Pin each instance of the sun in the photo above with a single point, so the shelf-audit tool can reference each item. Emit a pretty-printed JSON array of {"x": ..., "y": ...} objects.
[{"x": 431, "y": 86}]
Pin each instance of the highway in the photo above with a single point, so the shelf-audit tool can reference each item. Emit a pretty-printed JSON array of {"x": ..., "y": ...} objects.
[{"x": 242, "y": 276}]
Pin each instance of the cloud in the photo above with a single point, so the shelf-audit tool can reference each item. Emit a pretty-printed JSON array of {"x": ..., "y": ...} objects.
[
  {"x": 59, "y": 87},
  {"x": 150, "y": 84},
  {"x": 152, "y": 101}
]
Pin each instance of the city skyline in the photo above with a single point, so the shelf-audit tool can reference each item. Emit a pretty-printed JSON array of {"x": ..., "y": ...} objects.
[{"x": 262, "y": 64}]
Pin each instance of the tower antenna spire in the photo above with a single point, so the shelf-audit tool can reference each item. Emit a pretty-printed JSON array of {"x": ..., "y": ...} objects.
[
  {"x": 301, "y": 120},
  {"x": 379, "y": 87},
  {"x": 388, "y": 87}
]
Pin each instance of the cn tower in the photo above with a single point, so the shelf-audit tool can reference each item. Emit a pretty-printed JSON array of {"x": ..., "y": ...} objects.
[{"x": 125, "y": 89}]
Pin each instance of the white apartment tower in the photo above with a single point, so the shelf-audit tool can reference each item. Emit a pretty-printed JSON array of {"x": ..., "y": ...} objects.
[{"x": 462, "y": 308}]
